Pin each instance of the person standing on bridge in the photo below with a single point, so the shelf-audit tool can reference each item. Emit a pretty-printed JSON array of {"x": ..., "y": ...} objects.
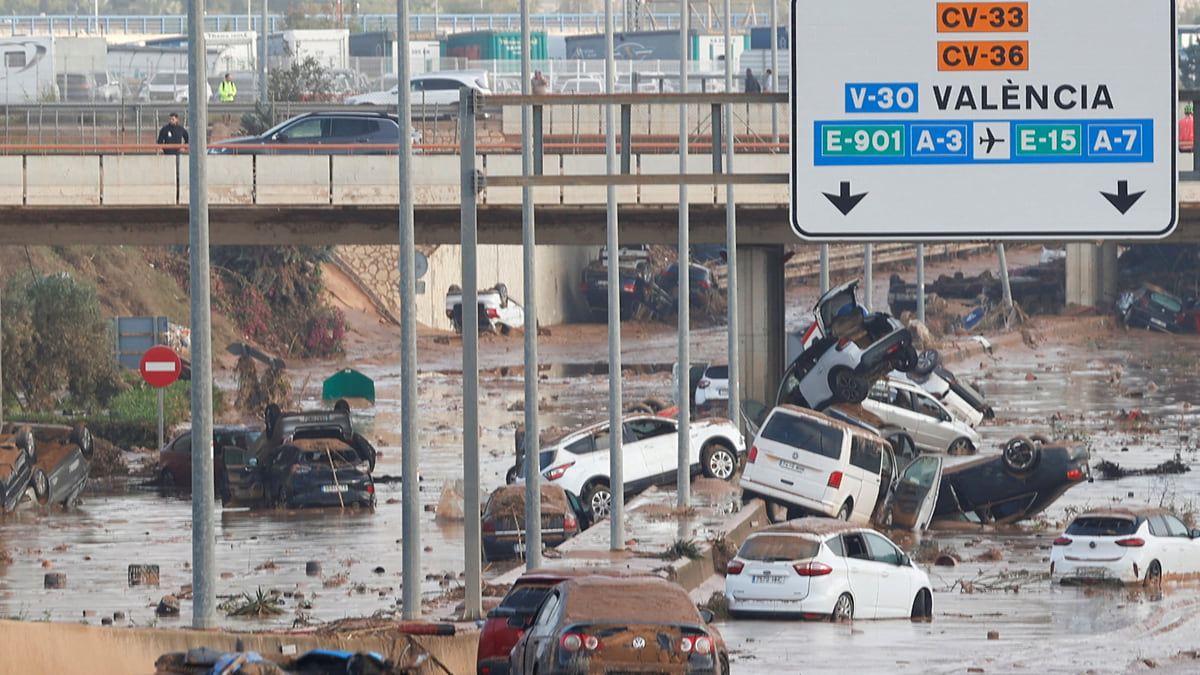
[
  {"x": 538, "y": 84},
  {"x": 172, "y": 133},
  {"x": 227, "y": 91},
  {"x": 752, "y": 85}
]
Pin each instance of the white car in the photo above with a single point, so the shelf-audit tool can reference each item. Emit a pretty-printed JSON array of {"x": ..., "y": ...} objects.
[
  {"x": 822, "y": 568},
  {"x": 709, "y": 385},
  {"x": 1138, "y": 544},
  {"x": 430, "y": 94},
  {"x": 169, "y": 86},
  {"x": 579, "y": 461},
  {"x": 933, "y": 428},
  {"x": 498, "y": 313}
]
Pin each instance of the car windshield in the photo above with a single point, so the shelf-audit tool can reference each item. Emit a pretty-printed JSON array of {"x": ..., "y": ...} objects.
[
  {"x": 804, "y": 433},
  {"x": 1101, "y": 526},
  {"x": 778, "y": 548}
]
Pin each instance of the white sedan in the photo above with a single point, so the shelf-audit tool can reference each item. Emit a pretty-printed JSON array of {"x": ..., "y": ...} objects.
[
  {"x": 1139, "y": 544},
  {"x": 908, "y": 406},
  {"x": 821, "y": 568},
  {"x": 579, "y": 461}
]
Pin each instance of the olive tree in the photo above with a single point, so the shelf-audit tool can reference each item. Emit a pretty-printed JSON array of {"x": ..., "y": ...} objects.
[{"x": 56, "y": 347}]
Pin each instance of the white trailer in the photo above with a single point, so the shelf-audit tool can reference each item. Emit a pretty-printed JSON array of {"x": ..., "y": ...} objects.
[
  {"x": 329, "y": 47},
  {"x": 27, "y": 69}
]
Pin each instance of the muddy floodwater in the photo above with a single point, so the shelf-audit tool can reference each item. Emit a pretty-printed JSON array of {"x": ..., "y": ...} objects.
[{"x": 1128, "y": 395}]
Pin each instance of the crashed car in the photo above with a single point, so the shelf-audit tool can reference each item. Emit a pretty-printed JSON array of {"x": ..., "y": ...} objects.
[
  {"x": 1152, "y": 308},
  {"x": 634, "y": 275},
  {"x": 503, "y": 520},
  {"x": 64, "y": 456},
  {"x": 18, "y": 453},
  {"x": 960, "y": 398},
  {"x": 498, "y": 313},
  {"x": 174, "y": 468},
  {"x": 845, "y": 349},
  {"x": 931, "y": 424},
  {"x": 305, "y": 459}
]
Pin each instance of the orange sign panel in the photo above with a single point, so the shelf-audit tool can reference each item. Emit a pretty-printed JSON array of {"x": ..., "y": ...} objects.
[
  {"x": 972, "y": 56},
  {"x": 982, "y": 17}
]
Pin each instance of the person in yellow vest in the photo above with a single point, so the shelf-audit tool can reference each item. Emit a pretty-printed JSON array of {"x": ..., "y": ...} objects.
[{"x": 227, "y": 91}]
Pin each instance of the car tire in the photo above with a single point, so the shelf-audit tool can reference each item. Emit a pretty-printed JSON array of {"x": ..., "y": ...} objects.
[
  {"x": 41, "y": 485},
  {"x": 927, "y": 360},
  {"x": 82, "y": 437},
  {"x": 843, "y": 609},
  {"x": 454, "y": 288},
  {"x": 502, "y": 291},
  {"x": 24, "y": 440},
  {"x": 846, "y": 386},
  {"x": 166, "y": 478},
  {"x": 960, "y": 446},
  {"x": 844, "y": 512},
  {"x": 1153, "y": 578},
  {"x": 724, "y": 664},
  {"x": 640, "y": 407},
  {"x": 922, "y": 608},
  {"x": 598, "y": 498},
  {"x": 1021, "y": 454},
  {"x": 719, "y": 461},
  {"x": 1040, "y": 439},
  {"x": 510, "y": 476}
]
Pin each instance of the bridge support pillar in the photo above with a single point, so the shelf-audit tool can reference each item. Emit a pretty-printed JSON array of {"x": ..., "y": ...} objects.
[
  {"x": 1091, "y": 273},
  {"x": 761, "y": 341}
]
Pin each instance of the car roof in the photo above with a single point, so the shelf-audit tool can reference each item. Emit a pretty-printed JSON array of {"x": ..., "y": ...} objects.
[
  {"x": 562, "y": 574},
  {"x": 811, "y": 525},
  {"x": 809, "y": 412},
  {"x": 1132, "y": 512},
  {"x": 640, "y": 599}
]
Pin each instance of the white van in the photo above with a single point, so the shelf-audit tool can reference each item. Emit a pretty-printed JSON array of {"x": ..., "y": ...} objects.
[{"x": 811, "y": 463}]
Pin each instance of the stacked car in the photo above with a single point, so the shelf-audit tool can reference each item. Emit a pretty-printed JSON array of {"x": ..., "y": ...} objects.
[{"x": 46, "y": 462}]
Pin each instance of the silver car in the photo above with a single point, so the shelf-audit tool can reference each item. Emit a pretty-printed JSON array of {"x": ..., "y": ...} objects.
[{"x": 933, "y": 427}]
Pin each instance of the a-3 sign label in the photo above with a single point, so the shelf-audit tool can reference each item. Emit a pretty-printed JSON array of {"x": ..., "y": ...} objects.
[{"x": 998, "y": 120}]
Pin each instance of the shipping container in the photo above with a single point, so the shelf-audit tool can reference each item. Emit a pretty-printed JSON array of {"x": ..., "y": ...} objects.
[
  {"x": 661, "y": 45},
  {"x": 760, "y": 37},
  {"x": 492, "y": 45}
]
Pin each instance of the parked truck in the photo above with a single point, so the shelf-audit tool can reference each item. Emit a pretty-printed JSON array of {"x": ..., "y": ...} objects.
[{"x": 27, "y": 69}]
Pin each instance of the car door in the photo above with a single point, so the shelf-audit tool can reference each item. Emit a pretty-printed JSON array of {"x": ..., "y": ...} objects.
[
  {"x": 539, "y": 639},
  {"x": 895, "y": 580},
  {"x": 863, "y": 573},
  {"x": 934, "y": 432},
  {"x": 651, "y": 442},
  {"x": 243, "y": 477},
  {"x": 915, "y": 495},
  {"x": 1177, "y": 541},
  {"x": 350, "y": 131},
  {"x": 305, "y": 132}
]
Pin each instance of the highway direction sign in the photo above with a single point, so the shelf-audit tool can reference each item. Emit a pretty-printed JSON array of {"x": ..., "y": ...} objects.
[
  {"x": 160, "y": 366},
  {"x": 927, "y": 120}
]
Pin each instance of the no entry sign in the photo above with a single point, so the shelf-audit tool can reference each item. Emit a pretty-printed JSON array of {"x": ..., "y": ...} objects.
[{"x": 160, "y": 366}]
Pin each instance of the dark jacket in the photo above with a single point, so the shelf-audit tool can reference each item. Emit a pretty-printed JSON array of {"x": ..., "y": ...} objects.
[
  {"x": 752, "y": 85},
  {"x": 172, "y": 134}
]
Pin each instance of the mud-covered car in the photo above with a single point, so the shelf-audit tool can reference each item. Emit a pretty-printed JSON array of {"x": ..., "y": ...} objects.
[
  {"x": 599, "y": 624},
  {"x": 18, "y": 453},
  {"x": 1030, "y": 473},
  {"x": 174, "y": 468},
  {"x": 304, "y": 459},
  {"x": 845, "y": 349},
  {"x": 1152, "y": 308},
  {"x": 503, "y": 520},
  {"x": 64, "y": 455}
]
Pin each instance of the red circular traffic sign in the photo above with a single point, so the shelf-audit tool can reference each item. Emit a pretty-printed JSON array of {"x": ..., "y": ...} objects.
[{"x": 160, "y": 366}]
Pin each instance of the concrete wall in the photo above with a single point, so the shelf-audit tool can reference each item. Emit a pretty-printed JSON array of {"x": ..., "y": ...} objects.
[{"x": 558, "y": 269}]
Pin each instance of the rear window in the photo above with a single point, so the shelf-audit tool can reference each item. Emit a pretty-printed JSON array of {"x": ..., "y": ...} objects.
[
  {"x": 718, "y": 372},
  {"x": 778, "y": 548},
  {"x": 527, "y": 598},
  {"x": 1097, "y": 526},
  {"x": 804, "y": 433}
]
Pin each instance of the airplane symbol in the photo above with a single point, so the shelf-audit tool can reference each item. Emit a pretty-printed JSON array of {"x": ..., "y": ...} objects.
[{"x": 991, "y": 140}]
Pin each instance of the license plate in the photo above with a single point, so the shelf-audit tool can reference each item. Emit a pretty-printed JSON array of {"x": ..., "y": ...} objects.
[
  {"x": 790, "y": 466},
  {"x": 334, "y": 488},
  {"x": 1091, "y": 572},
  {"x": 519, "y": 547},
  {"x": 766, "y": 579},
  {"x": 722, "y": 393}
]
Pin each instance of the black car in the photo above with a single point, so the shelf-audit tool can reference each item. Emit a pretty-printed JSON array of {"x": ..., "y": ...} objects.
[
  {"x": 1028, "y": 476},
  {"x": 503, "y": 520},
  {"x": 633, "y": 276},
  {"x": 348, "y": 133},
  {"x": 18, "y": 453},
  {"x": 311, "y": 458},
  {"x": 702, "y": 284},
  {"x": 1152, "y": 308},
  {"x": 64, "y": 456}
]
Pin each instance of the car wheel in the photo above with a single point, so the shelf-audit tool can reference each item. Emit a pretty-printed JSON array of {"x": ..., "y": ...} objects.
[
  {"x": 1021, "y": 454},
  {"x": 927, "y": 360},
  {"x": 1040, "y": 439},
  {"x": 843, "y": 609},
  {"x": 41, "y": 486},
  {"x": 511, "y": 476},
  {"x": 639, "y": 407},
  {"x": 599, "y": 499},
  {"x": 166, "y": 478},
  {"x": 502, "y": 291},
  {"x": 960, "y": 446},
  {"x": 922, "y": 605},
  {"x": 719, "y": 461},
  {"x": 1153, "y": 579},
  {"x": 844, "y": 512},
  {"x": 724, "y": 664},
  {"x": 846, "y": 386},
  {"x": 82, "y": 437},
  {"x": 25, "y": 441}
]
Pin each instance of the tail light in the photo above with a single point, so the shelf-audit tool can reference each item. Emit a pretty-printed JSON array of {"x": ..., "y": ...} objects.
[
  {"x": 370, "y": 488},
  {"x": 569, "y": 523},
  {"x": 489, "y": 527},
  {"x": 753, "y": 454},
  {"x": 734, "y": 567},
  {"x": 1131, "y": 541},
  {"x": 556, "y": 472},
  {"x": 1062, "y": 541},
  {"x": 702, "y": 284},
  {"x": 629, "y": 287},
  {"x": 492, "y": 313},
  {"x": 703, "y": 384},
  {"x": 812, "y": 569},
  {"x": 835, "y": 480},
  {"x": 574, "y": 642},
  {"x": 701, "y": 644},
  {"x": 1074, "y": 475},
  {"x": 842, "y": 343}
]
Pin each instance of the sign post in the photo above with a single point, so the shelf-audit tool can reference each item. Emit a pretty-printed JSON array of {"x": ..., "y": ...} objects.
[
  {"x": 160, "y": 367},
  {"x": 998, "y": 120}
]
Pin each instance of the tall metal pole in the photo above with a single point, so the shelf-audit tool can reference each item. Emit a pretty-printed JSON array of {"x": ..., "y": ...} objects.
[
  {"x": 824, "y": 258},
  {"x": 731, "y": 257},
  {"x": 263, "y": 31},
  {"x": 683, "y": 477},
  {"x": 470, "y": 371},
  {"x": 616, "y": 455},
  {"x": 410, "y": 448},
  {"x": 868, "y": 284},
  {"x": 204, "y": 592},
  {"x": 921, "y": 283},
  {"x": 774, "y": 68},
  {"x": 533, "y": 479}
]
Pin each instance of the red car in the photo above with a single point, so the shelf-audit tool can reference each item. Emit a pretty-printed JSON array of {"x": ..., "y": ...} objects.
[{"x": 175, "y": 460}]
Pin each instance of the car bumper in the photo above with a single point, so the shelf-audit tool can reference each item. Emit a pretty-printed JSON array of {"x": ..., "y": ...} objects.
[
  {"x": 1069, "y": 572},
  {"x": 315, "y": 497}
]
